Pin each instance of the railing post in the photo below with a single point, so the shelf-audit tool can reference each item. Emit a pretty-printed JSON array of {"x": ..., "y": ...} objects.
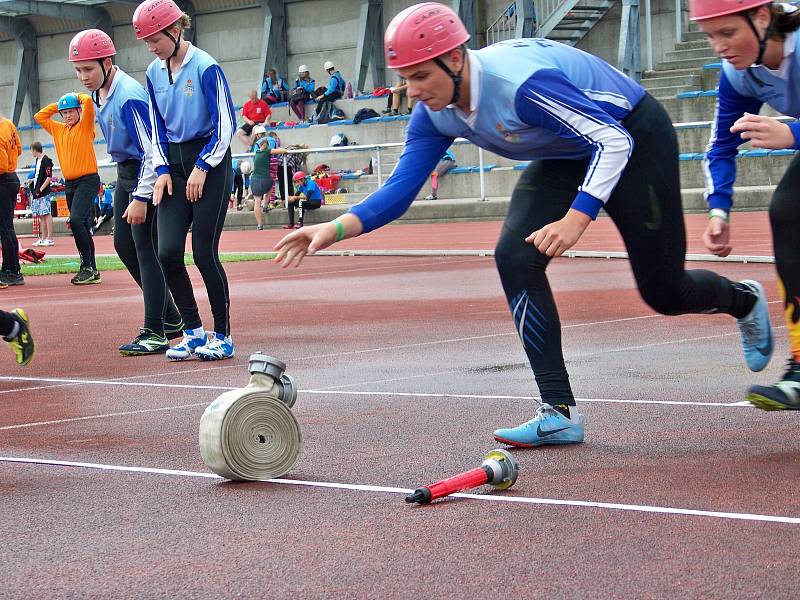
[
  {"x": 649, "y": 25},
  {"x": 678, "y": 22},
  {"x": 481, "y": 174},
  {"x": 285, "y": 180},
  {"x": 378, "y": 166}
]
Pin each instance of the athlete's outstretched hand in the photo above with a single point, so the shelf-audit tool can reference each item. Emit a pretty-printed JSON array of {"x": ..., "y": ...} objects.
[
  {"x": 556, "y": 238},
  {"x": 717, "y": 237},
  {"x": 163, "y": 184},
  {"x": 307, "y": 240},
  {"x": 764, "y": 132}
]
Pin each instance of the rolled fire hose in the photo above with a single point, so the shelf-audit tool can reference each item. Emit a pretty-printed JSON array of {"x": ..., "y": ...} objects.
[{"x": 250, "y": 434}]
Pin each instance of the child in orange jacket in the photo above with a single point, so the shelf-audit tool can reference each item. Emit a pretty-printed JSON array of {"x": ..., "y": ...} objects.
[{"x": 74, "y": 141}]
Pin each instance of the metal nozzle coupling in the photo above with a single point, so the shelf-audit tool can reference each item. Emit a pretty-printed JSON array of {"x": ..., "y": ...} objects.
[
  {"x": 268, "y": 365},
  {"x": 504, "y": 467}
]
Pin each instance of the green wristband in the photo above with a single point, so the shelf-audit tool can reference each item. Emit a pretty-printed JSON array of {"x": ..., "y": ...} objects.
[
  {"x": 719, "y": 213},
  {"x": 339, "y": 230}
]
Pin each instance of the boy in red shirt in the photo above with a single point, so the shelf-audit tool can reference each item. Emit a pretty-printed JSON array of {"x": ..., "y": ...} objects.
[{"x": 254, "y": 112}]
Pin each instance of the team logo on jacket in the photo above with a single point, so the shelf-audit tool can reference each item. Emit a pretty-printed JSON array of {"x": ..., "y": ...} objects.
[
  {"x": 188, "y": 89},
  {"x": 508, "y": 136}
]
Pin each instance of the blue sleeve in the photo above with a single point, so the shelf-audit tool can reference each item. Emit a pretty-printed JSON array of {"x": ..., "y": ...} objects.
[
  {"x": 220, "y": 106},
  {"x": 283, "y": 85},
  {"x": 160, "y": 142},
  {"x": 549, "y": 100},
  {"x": 423, "y": 149},
  {"x": 308, "y": 86},
  {"x": 333, "y": 85},
  {"x": 719, "y": 165},
  {"x": 135, "y": 114}
]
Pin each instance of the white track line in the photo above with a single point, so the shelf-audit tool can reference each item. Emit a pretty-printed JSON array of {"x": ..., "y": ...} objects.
[
  {"x": 349, "y": 393},
  {"x": 394, "y": 490}
]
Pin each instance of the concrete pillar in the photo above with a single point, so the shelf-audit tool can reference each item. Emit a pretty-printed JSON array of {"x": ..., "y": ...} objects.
[
  {"x": 27, "y": 80},
  {"x": 369, "y": 52}
]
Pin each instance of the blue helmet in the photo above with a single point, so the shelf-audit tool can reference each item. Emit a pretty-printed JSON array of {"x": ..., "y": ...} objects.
[{"x": 68, "y": 101}]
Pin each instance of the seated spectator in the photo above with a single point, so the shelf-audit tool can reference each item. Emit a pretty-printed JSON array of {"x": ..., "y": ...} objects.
[
  {"x": 335, "y": 89},
  {"x": 237, "y": 192},
  {"x": 105, "y": 206},
  {"x": 308, "y": 197},
  {"x": 254, "y": 112},
  {"x": 446, "y": 163},
  {"x": 303, "y": 90},
  {"x": 274, "y": 89},
  {"x": 393, "y": 99}
]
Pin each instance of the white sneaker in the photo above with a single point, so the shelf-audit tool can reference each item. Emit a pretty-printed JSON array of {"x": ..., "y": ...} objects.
[
  {"x": 38, "y": 243},
  {"x": 47, "y": 242},
  {"x": 186, "y": 348},
  {"x": 218, "y": 347}
]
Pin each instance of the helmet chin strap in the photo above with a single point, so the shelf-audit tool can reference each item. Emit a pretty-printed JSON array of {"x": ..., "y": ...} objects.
[
  {"x": 96, "y": 93},
  {"x": 177, "y": 42},
  {"x": 762, "y": 44},
  {"x": 456, "y": 77}
]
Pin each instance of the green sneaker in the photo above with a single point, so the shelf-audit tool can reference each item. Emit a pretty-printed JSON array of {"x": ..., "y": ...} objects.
[
  {"x": 783, "y": 395},
  {"x": 86, "y": 276},
  {"x": 147, "y": 342},
  {"x": 22, "y": 343}
]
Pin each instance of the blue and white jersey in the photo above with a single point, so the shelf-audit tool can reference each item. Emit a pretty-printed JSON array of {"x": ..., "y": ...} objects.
[
  {"x": 198, "y": 104},
  {"x": 309, "y": 86},
  {"x": 531, "y": 99},
  {"x": 274, "y": 89},
  {"x": 738, "y": 93},
  {"x": 125, "y": 120}
]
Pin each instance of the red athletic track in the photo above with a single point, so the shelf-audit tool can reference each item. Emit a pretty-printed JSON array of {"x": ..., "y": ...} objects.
[{"x": 388, "y": 325}]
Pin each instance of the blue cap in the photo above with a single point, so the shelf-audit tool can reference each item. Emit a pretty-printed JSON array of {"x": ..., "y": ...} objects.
[{"x": 68, "y": 101}]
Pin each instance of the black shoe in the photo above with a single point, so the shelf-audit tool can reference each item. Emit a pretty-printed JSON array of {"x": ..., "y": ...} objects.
[
  {"x": 86, "y": 276},
  {"x": 22, "y": 343},
  {"x": 783, "y": 395},
  {"x": 9, "y": 278},
  {"x": 174, "y": 330}
]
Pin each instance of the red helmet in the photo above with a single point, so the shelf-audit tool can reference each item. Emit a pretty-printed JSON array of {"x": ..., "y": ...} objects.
[
  {"x": 422, "y": 32},
  {"x": 91, "y": 44},
  {"x": 708, "y": 9},
  {"x": 298, "y": 176},
  {"x": 152, "y": 16}
]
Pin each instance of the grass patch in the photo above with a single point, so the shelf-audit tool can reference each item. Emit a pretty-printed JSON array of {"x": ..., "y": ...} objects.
[{"x": 68, "y": 264}]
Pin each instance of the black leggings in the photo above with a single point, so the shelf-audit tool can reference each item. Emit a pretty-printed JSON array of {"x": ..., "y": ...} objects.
[
  {"x": 9, "y": 186},
  {"x": 646, "y": 209},
  {"x": 784, "y": 216},
  {"x": 81, "y": 193},
  {"x": 137, "y": 247},
  {"x": 289, "y": 173},
  {"x": 7, "y": 323},
  {"x": 206, "y": 218}
]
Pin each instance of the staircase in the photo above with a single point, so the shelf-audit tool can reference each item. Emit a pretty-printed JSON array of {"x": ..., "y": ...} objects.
[
  {"x": 565, "y": 21},
  {"x": 691, "y": 66}
]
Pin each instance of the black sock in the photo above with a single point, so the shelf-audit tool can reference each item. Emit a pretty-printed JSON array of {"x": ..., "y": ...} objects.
[
  {"x": 563, "y": 409},
  {"x": 744, "y": 299}
]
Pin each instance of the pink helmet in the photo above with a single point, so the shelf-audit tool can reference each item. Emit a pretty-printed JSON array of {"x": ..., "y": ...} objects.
[
  {"x": 708, "y": 9},
  {"x": 91, "y": 44},
  {"x": 152, "y": 16},
  {"x": 422, "y": 32},
  {"x": 298, "y": 176}
]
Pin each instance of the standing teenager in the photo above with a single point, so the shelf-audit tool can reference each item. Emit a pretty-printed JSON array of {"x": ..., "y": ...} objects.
[
  {"x": 124, "y": 117},
  {"x": 596, "y": 139},
  {"x": 759, "y": 43},
  {"x": 74, "y": 141},
  {"x": 193, "y": 123}
]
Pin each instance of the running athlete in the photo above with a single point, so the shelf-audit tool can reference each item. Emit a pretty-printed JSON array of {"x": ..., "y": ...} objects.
[
  {"x": 15, "y": 330},
  {"x": 759, "y": 44},
  {"x": 596, "y": 140},
  {"x": 125, "y": 121},
  {"x": 193, "y": 122},
  {"x": 74, "y": 141}
]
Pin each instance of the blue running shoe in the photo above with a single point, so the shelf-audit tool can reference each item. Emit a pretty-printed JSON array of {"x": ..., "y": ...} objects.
[
  {"x": 219, "y": 347},
  {"x": 187, "y": 347},
  {"x": 548, "y": 427},
  {"x": 784, "y": 395},
  {"x": 756, "y": 330}
]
